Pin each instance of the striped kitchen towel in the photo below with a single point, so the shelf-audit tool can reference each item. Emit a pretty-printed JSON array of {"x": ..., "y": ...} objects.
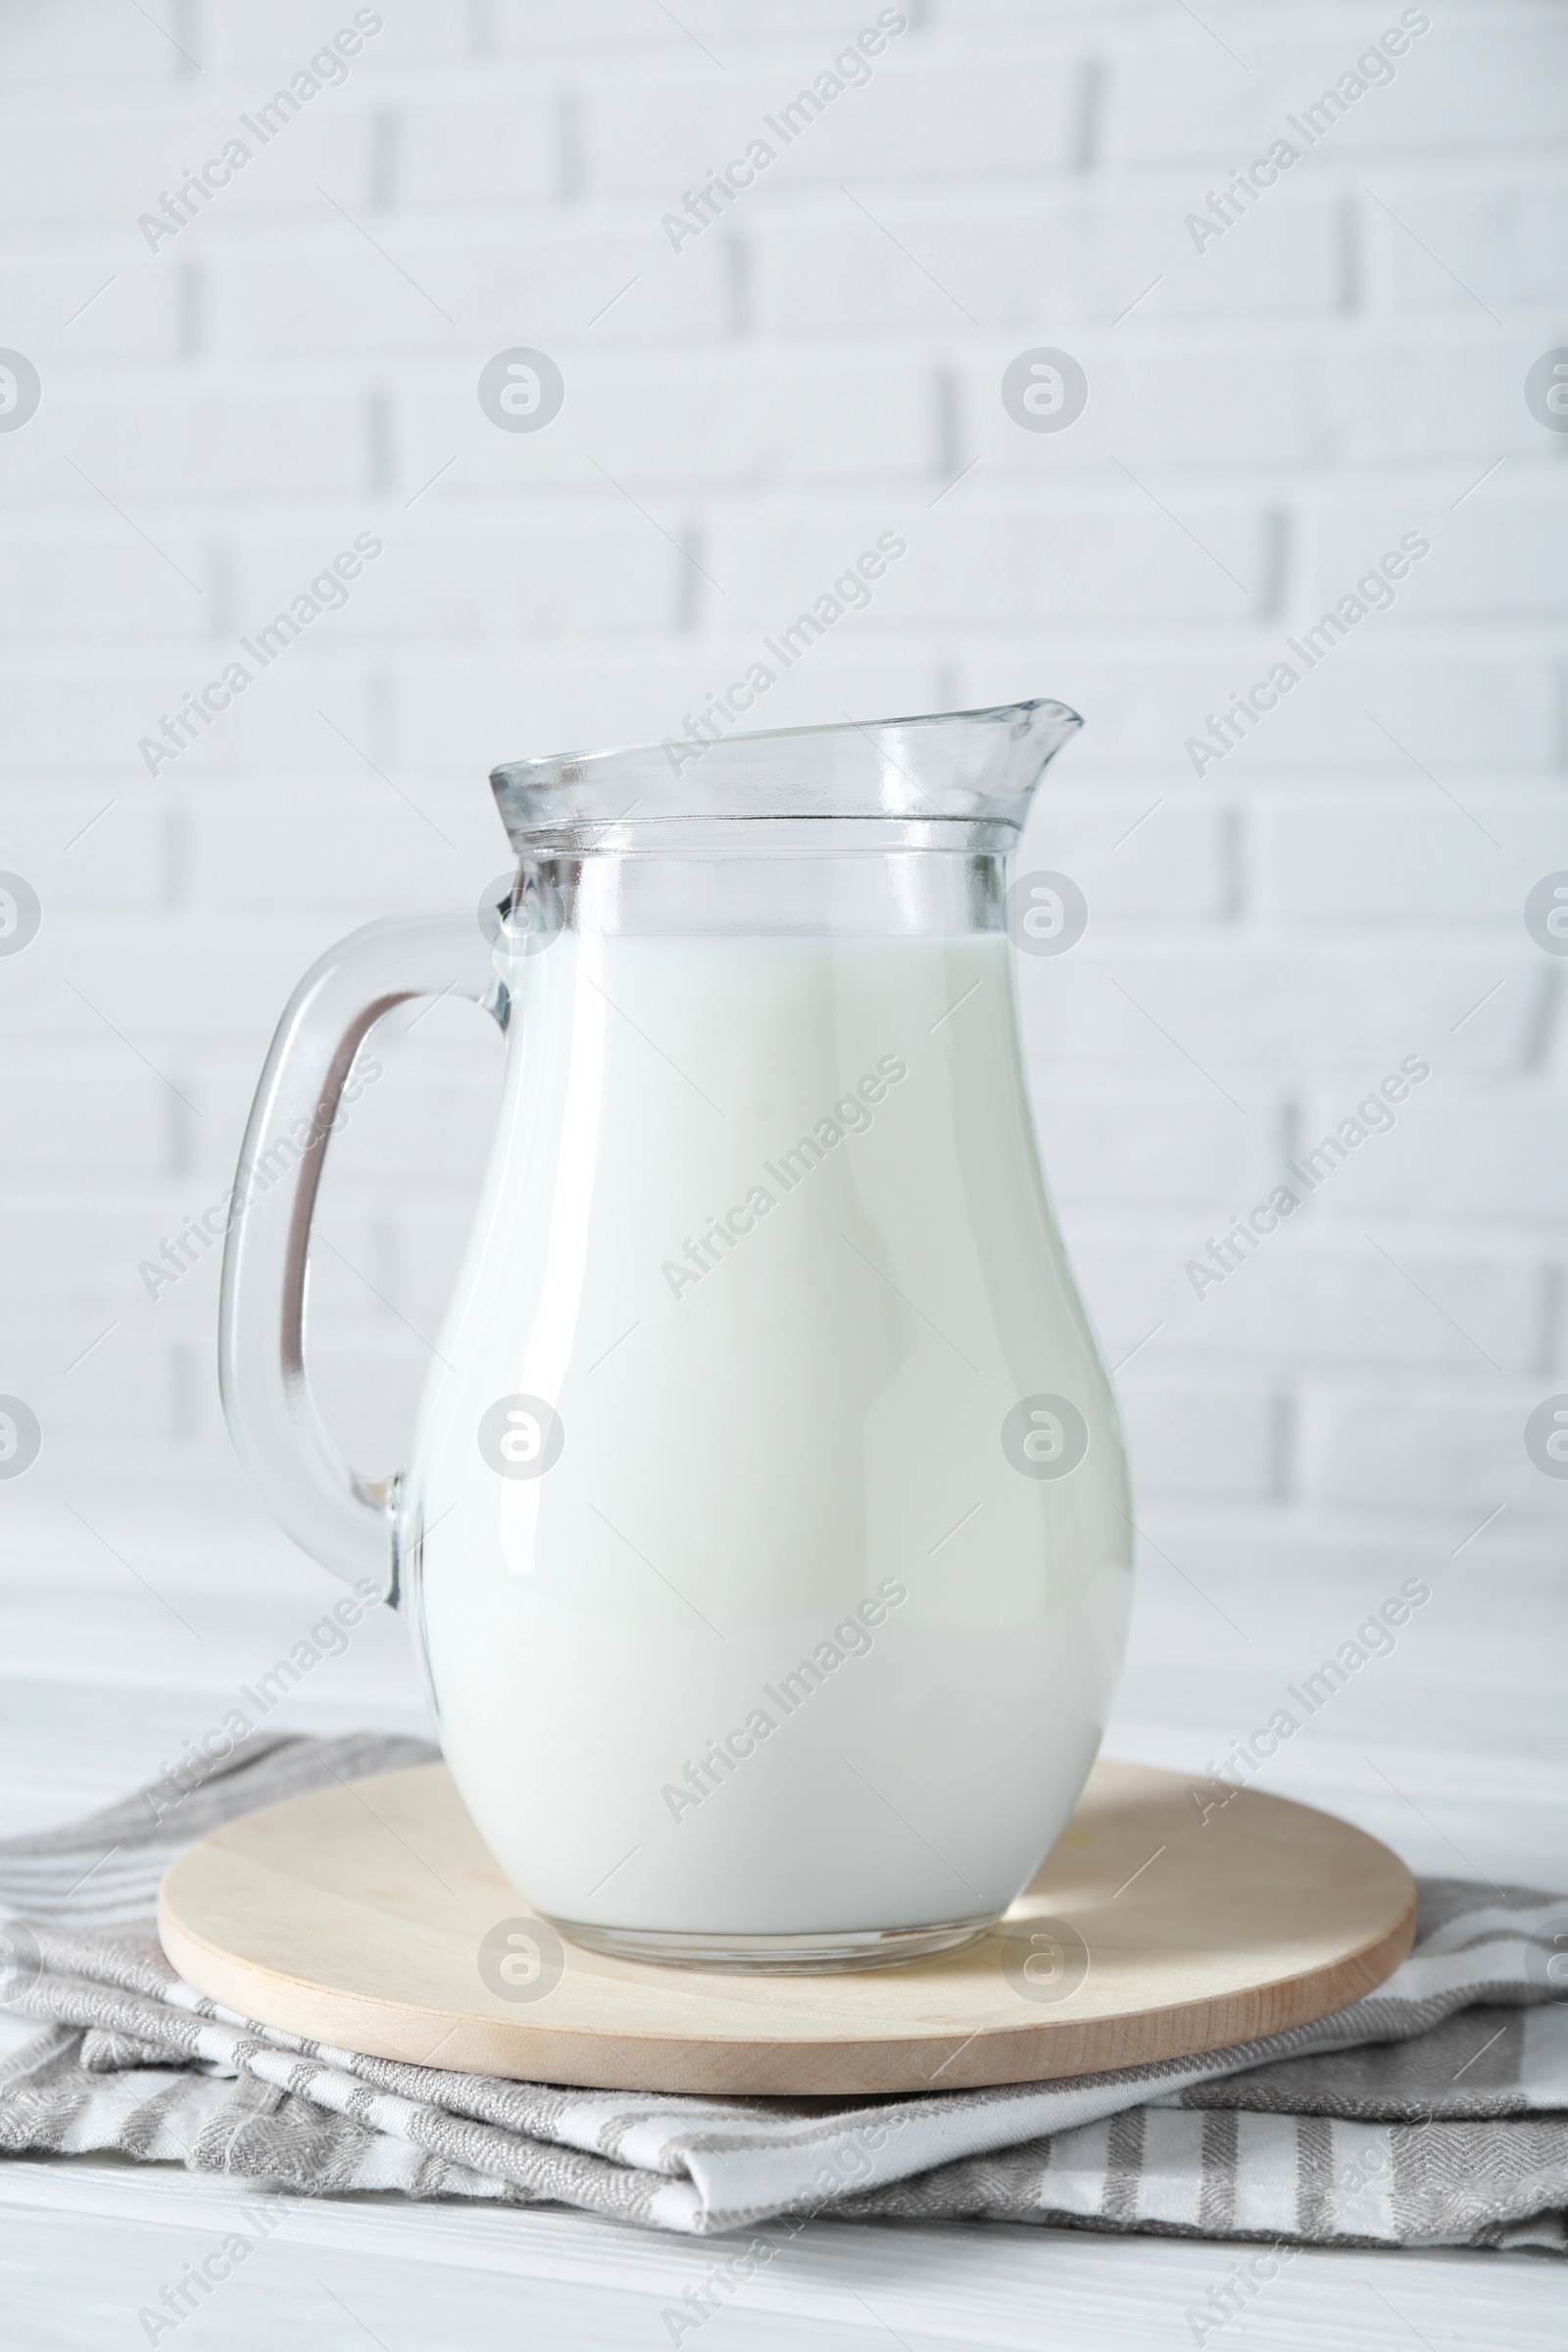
[{"x": 1433, "y": 2113}]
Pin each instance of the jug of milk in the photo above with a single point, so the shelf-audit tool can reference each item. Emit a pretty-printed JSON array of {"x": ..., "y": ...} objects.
[{"x": 765, "y": 1534}]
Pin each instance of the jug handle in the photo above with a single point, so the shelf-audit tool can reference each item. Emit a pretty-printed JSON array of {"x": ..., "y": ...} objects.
[{"x": 345, "y": 1521}]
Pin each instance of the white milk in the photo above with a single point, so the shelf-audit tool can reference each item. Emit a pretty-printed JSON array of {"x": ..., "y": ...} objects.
[{"x": 807, "y": 1427}]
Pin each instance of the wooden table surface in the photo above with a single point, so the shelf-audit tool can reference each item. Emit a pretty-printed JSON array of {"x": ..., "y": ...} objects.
[{"x": 1449, "y": 1749}]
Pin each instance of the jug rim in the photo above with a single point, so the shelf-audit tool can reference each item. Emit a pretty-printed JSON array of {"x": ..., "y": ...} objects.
[{"x": 971, "y": 766}]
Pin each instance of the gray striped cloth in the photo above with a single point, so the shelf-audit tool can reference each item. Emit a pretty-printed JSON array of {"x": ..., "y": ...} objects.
[{"x": 1433, "y": 2113}]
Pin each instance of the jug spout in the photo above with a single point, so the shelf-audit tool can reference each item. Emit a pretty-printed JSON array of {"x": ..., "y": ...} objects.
[{"x": 970, "y": 767}]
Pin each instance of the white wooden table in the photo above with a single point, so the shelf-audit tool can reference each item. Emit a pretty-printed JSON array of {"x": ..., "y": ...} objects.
[{"x": 1449, "y": 1749}]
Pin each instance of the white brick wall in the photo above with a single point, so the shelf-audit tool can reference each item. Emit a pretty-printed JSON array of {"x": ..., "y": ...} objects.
[{"x": 1267, "y": 415}]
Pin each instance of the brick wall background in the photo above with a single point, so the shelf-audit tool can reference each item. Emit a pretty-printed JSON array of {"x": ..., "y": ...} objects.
[{"x": 1267, "y": 416}]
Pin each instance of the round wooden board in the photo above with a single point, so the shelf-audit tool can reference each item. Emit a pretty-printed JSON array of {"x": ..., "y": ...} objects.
[{"x": 356, "y": 1917}]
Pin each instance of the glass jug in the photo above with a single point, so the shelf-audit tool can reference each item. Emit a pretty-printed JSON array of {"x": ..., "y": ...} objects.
[{"x": 766, "y": 1536}]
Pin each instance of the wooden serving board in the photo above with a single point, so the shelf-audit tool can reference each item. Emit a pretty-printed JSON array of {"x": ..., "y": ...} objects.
[{"x": 371, "y": 1917}]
